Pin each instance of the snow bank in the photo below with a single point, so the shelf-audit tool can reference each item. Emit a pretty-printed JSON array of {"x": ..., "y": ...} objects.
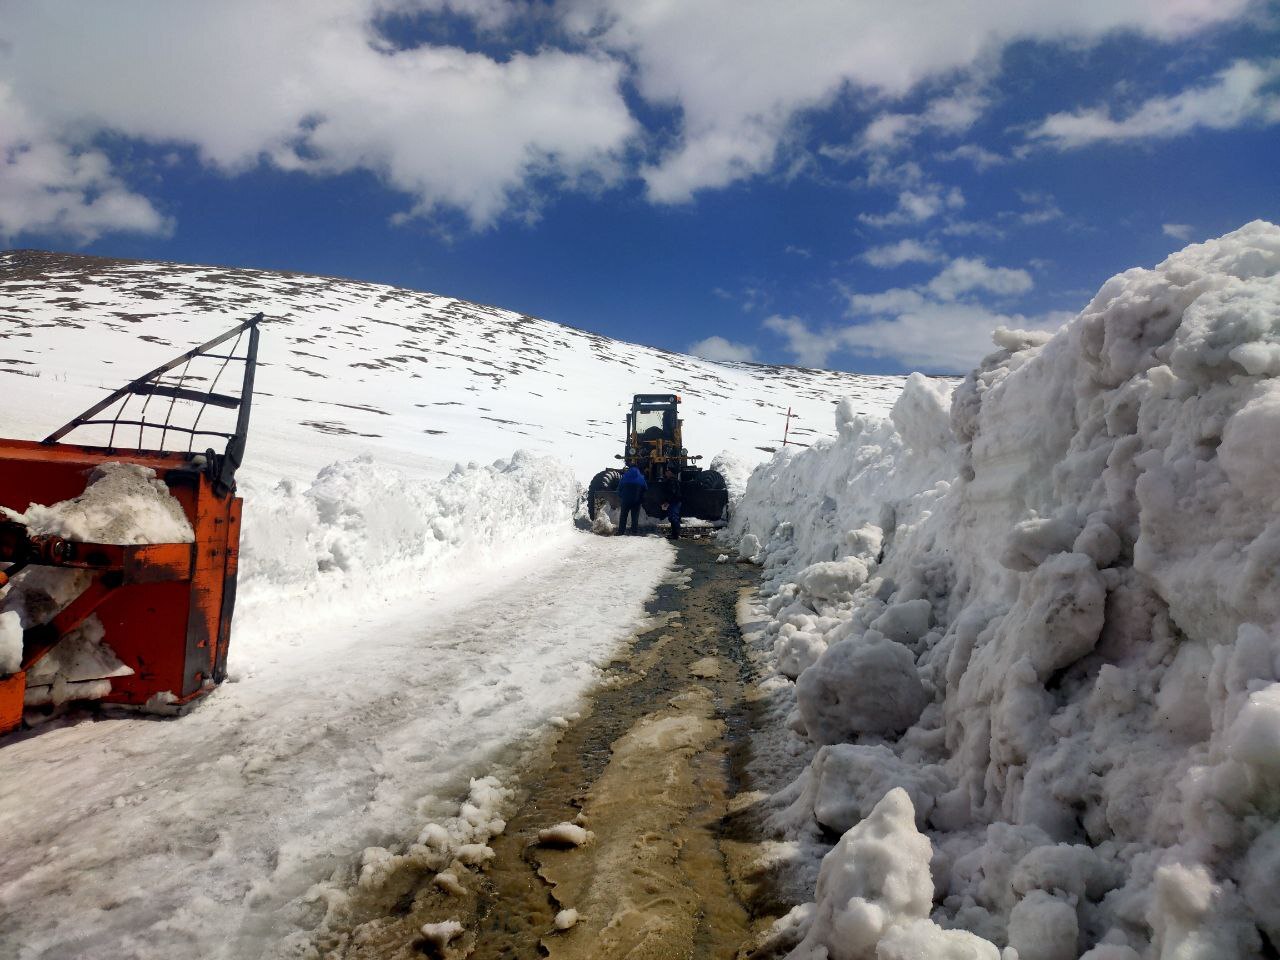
[
  {"x": 1049, "y": 612},
  {"x": 361, "y": 526}
]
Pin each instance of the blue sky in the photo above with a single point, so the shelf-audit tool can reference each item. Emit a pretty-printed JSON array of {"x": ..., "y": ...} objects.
[{"x": 863, "y": 185}]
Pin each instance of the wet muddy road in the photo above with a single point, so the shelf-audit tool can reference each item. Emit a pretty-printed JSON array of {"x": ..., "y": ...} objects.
[{"x": 650, "y": 769}]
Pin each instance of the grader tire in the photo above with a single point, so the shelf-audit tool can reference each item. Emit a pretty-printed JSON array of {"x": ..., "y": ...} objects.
[{"x": 602, "y": 482}]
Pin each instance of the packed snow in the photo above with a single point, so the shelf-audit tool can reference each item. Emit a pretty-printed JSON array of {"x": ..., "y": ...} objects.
[
  {"x": 337, "y": 752},
  {"x": 1023, "y": 642}
]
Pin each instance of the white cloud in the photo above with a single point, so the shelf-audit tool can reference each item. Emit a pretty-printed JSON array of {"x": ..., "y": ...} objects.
[
  {"x": 972, "y": 228},
  {"x": 47, "y": 186},
  {"x": 934, "y": 337},
  {"x": 809, "y": 349},
  {"x": 965, "y": 274},
  {"x": 904, "y": 251},
  {"x": 718, "y": 348},
  {"x": 938, "y": 337},
  {"x": 1179, "y": 231},
  {"x": 981, "y": 158},
  {"x": 1041, "y": 208},
  {"x": 1237, "y": 96},
  {"x": 888, "y": 131},
  {"x": 936, "y": 326},
  {"x": 740, "y": 71},
  {"x": 310, "y": 86},
  {"x": 952, "y": 114},
  {"x": 894, "y": 300},
  {"x": 916, "y": 206}
]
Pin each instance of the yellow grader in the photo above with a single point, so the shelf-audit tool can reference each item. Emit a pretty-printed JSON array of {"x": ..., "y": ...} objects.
[{"x": 655, "y": 441}]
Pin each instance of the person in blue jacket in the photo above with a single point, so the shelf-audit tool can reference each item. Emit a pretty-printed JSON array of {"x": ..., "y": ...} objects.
[{"x": 631, "y": 488}]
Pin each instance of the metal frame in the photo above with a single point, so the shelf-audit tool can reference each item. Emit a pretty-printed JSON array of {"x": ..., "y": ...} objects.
[{"x": 222, "y": 467}]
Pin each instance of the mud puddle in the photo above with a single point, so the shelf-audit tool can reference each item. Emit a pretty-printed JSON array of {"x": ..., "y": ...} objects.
[{"x": 650, "y": 770}]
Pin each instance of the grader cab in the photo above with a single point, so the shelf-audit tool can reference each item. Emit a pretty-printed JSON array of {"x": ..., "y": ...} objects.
[{"x": 655, "y": 440}]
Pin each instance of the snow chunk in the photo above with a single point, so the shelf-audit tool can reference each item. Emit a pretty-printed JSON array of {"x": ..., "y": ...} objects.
[
  {"x": 10, "y": 642},
  {"x": 1059, "y": 614},
  {"x": 1257, "y": 358},
  {"x": 565, "y": 834},
  {"x": 860, "y": 685},
  {"x": 1258, "y": 881},
  {"x": 1031, "y": 542},
  {"x": 834, "y": 579},
  {"x": 735, "y": 471},
  {"x": 439, "y": 934},
  {"x": 875, "y": 878},
  {"x": 123, "y": 503},
  {"x": 1007, "y": 338},
  {"x": 798, "y": 650},
  {"x": 1254, "y": 738},
  {"x": 922, "y": 414},
  {"x": 448, "y": 881},
  {"x": 1099, "y": 542},
  {"x": 1250, "y": 450},
  {"x": 1197, "y": 919},
  {"x": 1043, "y": 927},
  {"x": 848, "y": 781},
  {"x": 874, "y": 893},
  {"x": 905, "y": 622},
  {"x": 474, "y": 854},
  {"x": 925, "y": 940}
]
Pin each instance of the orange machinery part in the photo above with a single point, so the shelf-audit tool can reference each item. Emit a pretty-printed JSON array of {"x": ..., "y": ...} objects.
[{"x": 166, "y": 608}]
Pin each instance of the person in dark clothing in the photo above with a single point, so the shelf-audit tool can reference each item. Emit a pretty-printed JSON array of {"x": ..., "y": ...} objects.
[
  {"x": 671, "y": 496},
  {"x": 631, "y": 488}
]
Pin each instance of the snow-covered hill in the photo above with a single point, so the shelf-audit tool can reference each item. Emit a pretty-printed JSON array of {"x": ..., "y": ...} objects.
[{"x": 418, "y": 381}]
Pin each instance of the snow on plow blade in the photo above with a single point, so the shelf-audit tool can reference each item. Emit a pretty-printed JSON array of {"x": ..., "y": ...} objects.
[{"x": 148, "y": 624}]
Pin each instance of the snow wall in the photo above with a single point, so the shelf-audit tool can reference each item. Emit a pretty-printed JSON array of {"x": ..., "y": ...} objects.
[
  {"x": 363, "y": 532},
  {"x": 1034, "y": 630}
]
